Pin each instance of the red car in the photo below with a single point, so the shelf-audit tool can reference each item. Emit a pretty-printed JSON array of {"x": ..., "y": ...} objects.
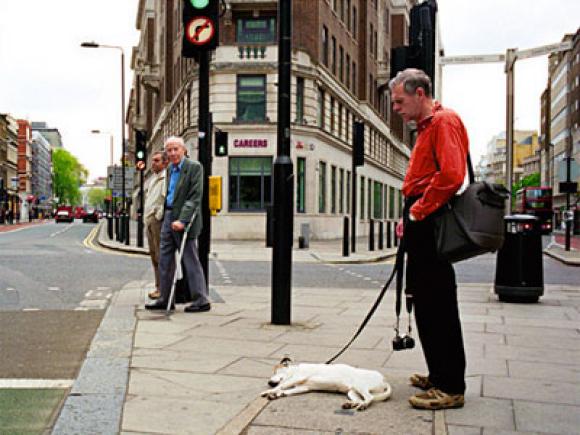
[{"x": 64, "y": 214}]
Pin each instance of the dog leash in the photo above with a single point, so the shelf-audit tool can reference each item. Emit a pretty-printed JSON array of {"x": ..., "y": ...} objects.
[{"x": 398, "y": 272}]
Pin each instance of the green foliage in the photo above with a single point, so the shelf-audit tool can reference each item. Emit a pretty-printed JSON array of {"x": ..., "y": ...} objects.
[
  {"x": 96, "y": 197},
  {"x": 530, "y": 180},
  {"x": 67, "y": 177}
]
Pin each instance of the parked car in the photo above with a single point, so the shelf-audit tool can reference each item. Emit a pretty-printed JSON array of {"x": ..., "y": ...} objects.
[
  {"x": 64, "y": 214},
  {"x": 91, "y": 215}
]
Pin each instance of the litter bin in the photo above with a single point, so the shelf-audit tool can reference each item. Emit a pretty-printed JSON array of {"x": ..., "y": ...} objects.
[{"x": 519, "y": 272}]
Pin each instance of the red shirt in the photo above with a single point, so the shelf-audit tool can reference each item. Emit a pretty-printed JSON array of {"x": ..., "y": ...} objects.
[{"x": 442, "y": 135}]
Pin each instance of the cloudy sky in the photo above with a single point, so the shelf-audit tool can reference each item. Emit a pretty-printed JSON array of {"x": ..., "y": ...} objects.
[{"x": 46, "y": 76}]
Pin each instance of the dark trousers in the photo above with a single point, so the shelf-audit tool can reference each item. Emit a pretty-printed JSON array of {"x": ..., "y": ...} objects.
[
  {"x": 192, "y": 270},
  {"x": 432, "y": 284}
]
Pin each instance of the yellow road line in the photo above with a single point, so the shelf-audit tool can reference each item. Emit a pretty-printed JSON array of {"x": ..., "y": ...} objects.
[{"x": 89, "y": 242}]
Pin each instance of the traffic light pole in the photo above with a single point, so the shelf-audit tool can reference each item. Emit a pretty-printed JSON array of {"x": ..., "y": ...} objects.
[
  {"x": 140, "y": 211},
  {"x": 204, "y": 156},
  {"x": 283, "y": 178}
]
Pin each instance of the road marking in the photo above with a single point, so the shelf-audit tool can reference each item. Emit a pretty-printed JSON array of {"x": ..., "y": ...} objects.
[
  {"x": 54, "y": 289},
  {"x": 10, "y": 289},
  {"x": 81, "y": 309},
  {"x": 36, "y": 383},
  {"x": 30, "y": 309},
  {"x": 89, "y": 294},
  {"x": 103, "y": 288},
  {"x": 62, "y": 231}
]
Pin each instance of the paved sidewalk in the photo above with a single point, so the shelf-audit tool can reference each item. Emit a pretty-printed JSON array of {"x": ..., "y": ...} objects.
[
  {"x": 202, "y": 373},
  {"x": 4, "y": 228}
]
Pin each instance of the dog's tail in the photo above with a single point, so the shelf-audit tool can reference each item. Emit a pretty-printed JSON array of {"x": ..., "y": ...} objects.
[{"x": 385, "y": 394}]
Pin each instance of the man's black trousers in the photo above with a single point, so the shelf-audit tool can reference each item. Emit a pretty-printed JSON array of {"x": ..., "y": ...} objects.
[{"x": 432, "y": 283}]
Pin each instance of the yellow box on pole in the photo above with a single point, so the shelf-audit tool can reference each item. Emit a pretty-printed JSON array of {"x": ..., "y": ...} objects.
[{"x": 215, "y": 193}]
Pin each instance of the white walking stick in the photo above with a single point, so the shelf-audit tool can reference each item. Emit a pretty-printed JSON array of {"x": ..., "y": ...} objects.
[{"x": 178, "y": 272}]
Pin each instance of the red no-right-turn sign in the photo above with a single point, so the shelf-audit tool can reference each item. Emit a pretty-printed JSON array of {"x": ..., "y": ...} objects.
[{"x": 200, "y": 30}]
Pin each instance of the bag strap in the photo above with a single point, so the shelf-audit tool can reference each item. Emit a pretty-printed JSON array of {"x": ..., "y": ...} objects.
[{"x": 469, "y": 165}]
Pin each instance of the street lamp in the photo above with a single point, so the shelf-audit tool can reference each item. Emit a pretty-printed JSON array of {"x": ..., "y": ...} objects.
[{"x": 125, "y": 220}]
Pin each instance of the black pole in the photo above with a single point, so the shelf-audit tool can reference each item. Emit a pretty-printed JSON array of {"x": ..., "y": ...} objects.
[
  {"x": 389, "y": 237},
  {"x": 567, "y": 221},
  {"x": 140, "y": 212},
  {"x": 110, "y": 218},
  {"x": 345, "y": 237},
  {"x": 204, "y": 157},
  {"x": 353, "y": 207},
  {"x": 125, "y": 215},
  {"x": 381, "y": 229},
  {"x": 283, "y": 178},
  {"x": 371, "y": 234}
]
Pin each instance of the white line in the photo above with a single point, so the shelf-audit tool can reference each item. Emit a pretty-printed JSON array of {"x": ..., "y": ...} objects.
[
  {"x": 81, "y": 309},
  {"x": 54, "y": 289},
  {"x": 10, "y": 289},
  {"x": 30, "y": 309},
  {"x": 89, "y": 294},
  {"x": 36, "y": 383},
  {"x": 103, "y": 288}
]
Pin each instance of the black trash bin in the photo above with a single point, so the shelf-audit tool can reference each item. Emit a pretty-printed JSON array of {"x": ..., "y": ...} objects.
[{"x": 519, "y": 272}]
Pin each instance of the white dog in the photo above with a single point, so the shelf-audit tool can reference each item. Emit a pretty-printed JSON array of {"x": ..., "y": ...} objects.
[{"x": 361, "y": 386}]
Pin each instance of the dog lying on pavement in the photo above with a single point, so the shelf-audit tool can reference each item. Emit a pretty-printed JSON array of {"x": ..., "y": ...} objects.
[{"x": 361, "y": 386}]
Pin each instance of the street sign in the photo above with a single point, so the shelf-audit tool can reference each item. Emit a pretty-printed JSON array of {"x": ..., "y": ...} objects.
[
  {"x": 544, "y": 49},
  {"x": 482, "y": 58},
  {"x": 200, "y": 30},
  {"x": 115, "y": 178}
]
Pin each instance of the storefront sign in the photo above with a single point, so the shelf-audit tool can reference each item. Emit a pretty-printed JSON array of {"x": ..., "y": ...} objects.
[{"x": 250, "y": 143}]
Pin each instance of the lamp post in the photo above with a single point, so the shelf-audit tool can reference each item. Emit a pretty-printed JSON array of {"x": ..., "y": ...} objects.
[
  {"x": 124, "y": 217},
  {"x": 110, "y": 203}
]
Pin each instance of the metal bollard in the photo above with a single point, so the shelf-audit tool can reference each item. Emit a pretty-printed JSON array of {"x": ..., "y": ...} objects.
[
  {"x": 345, "y": 237},
  {"x": 380, "y": 235},
  {"x": 371, "y": 235},
  {"x": 389, "y": 236}
]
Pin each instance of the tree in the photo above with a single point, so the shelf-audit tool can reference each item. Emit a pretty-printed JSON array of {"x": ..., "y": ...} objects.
[
  {"x": 67, "y": 177},
  {"x": 530, "y": 180},
  {"x": 96, "y": 197}
]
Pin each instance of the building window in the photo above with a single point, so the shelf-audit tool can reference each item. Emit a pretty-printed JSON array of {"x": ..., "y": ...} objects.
[
  {"x": 371, "y": 45},
  {"x": 325, "y": 45},
  {"x": 333, "y": 55},
  {"x": 331, "y": 115},
  {"x": 340, "y": 121},
  {"x": 362, "y": 197},
  {"x": 347, "y": 72},
  {"x": 391, "y": 202},
  {"x": 341, "y": 191},
  {"x": 370, "y": 199},
  {"x": 256, "y": 30},
  {"x": 300, "y": 100},
  {"x": 341, "y": 63},
  {"x": 251, "y": 98},
  {"x": 354, "y": 17},
  {"x": 348, "y": 26},
  {"x": 301, "y": 185},
  {"x": 321, "y": 108},
  {"x": 378, "y": 200},
  {"x": 322, "y": 187},
  {"x": 333, "y": 189},
  {"x": 250, "y": 183},
  {"x": 348, "y": 191},
  {"x": 400, "y": 203},
  {"x": 354, "y": 77}
]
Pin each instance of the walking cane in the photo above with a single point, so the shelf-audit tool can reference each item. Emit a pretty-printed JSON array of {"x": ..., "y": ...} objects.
[{"x": 178, "y": 271}]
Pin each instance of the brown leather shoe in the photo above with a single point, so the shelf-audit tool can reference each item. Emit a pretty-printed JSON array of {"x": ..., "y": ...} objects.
[
  {"x": 156, "y": 294},
  {"x": 436, "y": 399},
  {"x": 421, "y": 381}
]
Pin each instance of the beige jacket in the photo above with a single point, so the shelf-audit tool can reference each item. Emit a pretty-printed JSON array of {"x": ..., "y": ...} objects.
[{"x": 155, "y": 197}]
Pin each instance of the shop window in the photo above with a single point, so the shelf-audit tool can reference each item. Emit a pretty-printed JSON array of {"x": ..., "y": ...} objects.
[
  {"x": 333, "y": 189},
  {"x": 322, "y": 187},
  {"x": 301, "y": 185},
  {"x": 251, "y": 98},
  {"x": 250, "y": 187},
  {"x": 256, "y": 30},
  {"x": 378, "y": 200}
]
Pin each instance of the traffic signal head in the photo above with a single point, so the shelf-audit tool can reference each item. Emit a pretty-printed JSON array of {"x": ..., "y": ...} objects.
[
  {"x": 221, "y": 143},
  {"x": 200, "y": 26},
  {"x": 140, "y": 150}
]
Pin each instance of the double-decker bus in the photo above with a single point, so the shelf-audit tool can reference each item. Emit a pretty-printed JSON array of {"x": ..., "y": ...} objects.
[{"x": 536, "y": 201}]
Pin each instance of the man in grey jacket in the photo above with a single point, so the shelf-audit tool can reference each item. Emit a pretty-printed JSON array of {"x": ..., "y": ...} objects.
[{"x": 183, "y": 200}]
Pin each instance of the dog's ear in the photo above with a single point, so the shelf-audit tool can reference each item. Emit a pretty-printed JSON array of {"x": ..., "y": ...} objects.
[{"x": 285, "y": 361}]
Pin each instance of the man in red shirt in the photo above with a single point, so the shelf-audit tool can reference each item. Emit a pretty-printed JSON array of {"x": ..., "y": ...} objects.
[{"x": 436, "y": 172}]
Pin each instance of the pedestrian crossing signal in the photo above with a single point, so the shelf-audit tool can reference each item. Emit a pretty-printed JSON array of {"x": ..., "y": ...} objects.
[{"x": 200, "y": 26}]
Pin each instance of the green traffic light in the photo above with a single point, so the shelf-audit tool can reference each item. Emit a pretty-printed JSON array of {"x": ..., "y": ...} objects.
[
  {"x": 140, "y": 154},
  {"x": 199, "y": 3}
]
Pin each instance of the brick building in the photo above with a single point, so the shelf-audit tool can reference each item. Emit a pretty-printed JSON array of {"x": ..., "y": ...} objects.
[{"x": 340, "y": 69}]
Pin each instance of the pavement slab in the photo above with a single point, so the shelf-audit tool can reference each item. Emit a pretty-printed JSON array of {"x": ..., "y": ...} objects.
[
  {"x": 483, "y": 411},
  {"x": 532, "y": 390},
  {"x": 532, "y": 354},
  {"x": 531, "y": 370},
  {"x": 182, "y": 360},
  {"x": 463, "y": 430},
  {"x": 547, "y": 418}
]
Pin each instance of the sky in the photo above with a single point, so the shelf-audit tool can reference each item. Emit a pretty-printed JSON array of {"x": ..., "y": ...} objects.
[{"x": 46, "y": 76}]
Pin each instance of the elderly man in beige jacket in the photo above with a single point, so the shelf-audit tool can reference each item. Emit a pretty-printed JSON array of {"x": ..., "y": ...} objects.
[{"x": 154, "y": 203}]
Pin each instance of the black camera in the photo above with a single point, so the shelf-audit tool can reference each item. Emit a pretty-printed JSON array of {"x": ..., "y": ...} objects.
[{"x": 402, "y": 342}]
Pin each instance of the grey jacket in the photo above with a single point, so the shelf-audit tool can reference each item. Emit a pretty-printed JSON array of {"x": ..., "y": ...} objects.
[{"x": 187, "y": 195}]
